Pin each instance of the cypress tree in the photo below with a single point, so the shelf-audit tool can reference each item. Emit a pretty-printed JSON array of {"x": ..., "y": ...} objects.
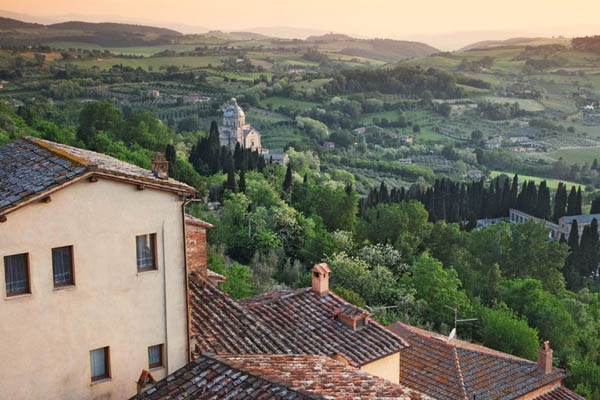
[
  {"x": 242, "y": 181},
  {"x": 586, "y": 253},
  {"x": 171, "y": 157},
  {"x": 594, "y": 247},
  {"x": 560, "y": 201},
  {"x": 579, "y": 208},
  {"x": 595, "y": 206},
  {"x": 287, "y": 182},
  {"x": 572, "y": 202},
  {"x": 230, "y": 183},
  {"x": 595, "y": 164},
  {"x": 570, "y": 271},
  {"x": 543, "y": 201},
  {"x": 514, "y": 191}
]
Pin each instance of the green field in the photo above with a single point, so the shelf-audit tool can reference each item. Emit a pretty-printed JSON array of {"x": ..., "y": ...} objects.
[
  {"x": 135, "y": 50},
  {"x": 552, "y": 183},
  {"x": 571, "y": 156},
  {"x": 154, "y": 62},
  {"x": 525, "y": 104},
  {"x": 276, "y": 102},
  {"x": 389, "y": 115}
]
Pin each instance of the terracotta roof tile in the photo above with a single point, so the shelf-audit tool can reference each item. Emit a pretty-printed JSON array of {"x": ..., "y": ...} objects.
[
  {"x": 560, "y": 393},
  {"x": 307, "y": 320},
  {"x": 221, "y": 325},
  {"x": 261, "y": 376},
  {"x": 209, "y": 378},
  {"x": 30, "y": 166},
  {"x": 459, "y": 370}
]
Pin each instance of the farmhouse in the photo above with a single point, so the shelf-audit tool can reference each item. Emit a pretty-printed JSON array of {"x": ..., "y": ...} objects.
[
  {"x": 235, "y": 130},
  {"x": 493, "y": 143},
  {"x": 88, "y": 303},
  {"x": 563, "y": 228}
]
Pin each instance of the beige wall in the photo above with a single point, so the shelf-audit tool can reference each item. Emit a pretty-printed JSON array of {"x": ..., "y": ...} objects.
[
  {"x": 386, "y": 368},
  {"x": 46, "y": 336}
]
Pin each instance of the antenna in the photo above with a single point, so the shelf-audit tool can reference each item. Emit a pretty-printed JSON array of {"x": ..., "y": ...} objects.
[{"x": 456, "y": 320}]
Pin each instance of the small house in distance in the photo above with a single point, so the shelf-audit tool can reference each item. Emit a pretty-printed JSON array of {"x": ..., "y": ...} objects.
[{"x": 406, "y": 140}]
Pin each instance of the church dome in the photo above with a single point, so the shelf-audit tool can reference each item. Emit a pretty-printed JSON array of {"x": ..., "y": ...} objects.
[{"x": 233, "y": 110}]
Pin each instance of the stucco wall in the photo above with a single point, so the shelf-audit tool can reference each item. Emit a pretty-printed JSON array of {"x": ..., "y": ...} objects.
[
  {"x": 386, "y": 368},
  {"x": 46, "y": 336}
]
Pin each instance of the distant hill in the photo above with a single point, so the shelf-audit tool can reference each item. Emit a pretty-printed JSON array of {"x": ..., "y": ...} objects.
[
  {"x": 235, "y": 35},
  {"x": 379, "y": 49},
  {"x": 519, "y": 41},
  {"x": 16, "y": 32},
  {"x": 9, "y": 23},
  {"x": 111, "y": 27},
  {"x": 329, "y": 37}
]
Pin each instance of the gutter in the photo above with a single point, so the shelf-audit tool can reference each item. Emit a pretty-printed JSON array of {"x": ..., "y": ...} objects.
[{"x": 187, "y": 281}]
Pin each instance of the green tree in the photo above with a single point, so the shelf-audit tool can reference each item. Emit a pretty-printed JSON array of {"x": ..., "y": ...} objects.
[
  {"x": 439, "y": 287},
  {"x": 503, "y": 330},
  {"x": 287, "y": 182}
]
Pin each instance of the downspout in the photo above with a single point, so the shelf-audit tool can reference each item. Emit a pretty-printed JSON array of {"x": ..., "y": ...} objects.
[
  {"x": 187, "y": 282},
  {"x": 165, "y": 299}
]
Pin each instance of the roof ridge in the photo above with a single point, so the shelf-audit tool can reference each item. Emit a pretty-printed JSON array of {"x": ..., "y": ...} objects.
[
  {"x": 259, "y": 374},
  {"x": 460, "y": 374},
  {"x": 49, "y": 146}
]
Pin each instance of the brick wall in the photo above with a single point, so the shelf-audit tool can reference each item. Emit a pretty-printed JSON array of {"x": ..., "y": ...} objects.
[{"x": 195, "y": 244}]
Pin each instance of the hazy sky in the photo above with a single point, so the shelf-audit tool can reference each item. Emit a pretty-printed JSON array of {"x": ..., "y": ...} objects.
[{"x": 389, "y": 18}]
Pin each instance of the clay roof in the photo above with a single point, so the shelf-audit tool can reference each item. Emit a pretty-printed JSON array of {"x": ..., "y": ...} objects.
[
  {"x": 260, "y": 376},
  {"x": 189, "y": 219},
  {"x": 207, "y": 377},
  {"x": 560, "y": 393},
  {"x": 221, "y": 325},
  {"x": 459, "y": 370},
  {"x": 307, "y": 320},
  {"x": 30, "y": 167}
]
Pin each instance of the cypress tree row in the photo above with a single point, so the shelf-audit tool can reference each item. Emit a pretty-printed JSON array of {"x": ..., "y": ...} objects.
[{"x": 209, "y": 157}]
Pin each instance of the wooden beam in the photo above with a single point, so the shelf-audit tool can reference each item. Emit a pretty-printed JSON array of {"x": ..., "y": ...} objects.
[
  {"x": 47, "y": 199},
  {"x": 141, "y": 187},
  {"x": 2, "y": 218},
  {"x": 93, "y": 178}
]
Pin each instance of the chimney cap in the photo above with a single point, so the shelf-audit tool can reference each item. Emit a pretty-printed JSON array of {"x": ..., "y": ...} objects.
[
  {"x": 321, "y": 268},
  {"x": 546, "y": 345},
  {"x": 160, "y": 166}
]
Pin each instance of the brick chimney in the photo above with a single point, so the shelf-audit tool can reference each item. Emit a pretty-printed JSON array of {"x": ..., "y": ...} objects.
[
  {"x": 195, "y": 245},
  {"x": 545, "y": 358},
  {"x": 160, "y": 166},
  {"x": 320, "y": 279}
]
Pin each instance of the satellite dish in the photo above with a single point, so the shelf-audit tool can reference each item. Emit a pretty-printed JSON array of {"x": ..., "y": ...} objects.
[{"x": 452, "y": 335}]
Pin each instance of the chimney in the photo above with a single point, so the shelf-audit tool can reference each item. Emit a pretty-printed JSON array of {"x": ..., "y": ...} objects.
[
  {"x": 160, "y": 166},
  {"x": 320, "y": 279},
  {"x": 195, "y": 245},
  {"x": 145, "y": 381},
  {"x": 545, "y": 358}
]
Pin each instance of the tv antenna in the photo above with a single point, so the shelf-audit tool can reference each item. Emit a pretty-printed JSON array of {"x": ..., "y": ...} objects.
[{"x": 456, "y": 321}]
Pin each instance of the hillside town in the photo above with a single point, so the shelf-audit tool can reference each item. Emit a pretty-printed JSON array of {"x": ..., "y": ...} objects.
[{"x": 131, "y": 310}]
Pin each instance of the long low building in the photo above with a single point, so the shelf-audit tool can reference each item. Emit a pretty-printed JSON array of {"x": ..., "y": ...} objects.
[{"x": 562, "y": 228}]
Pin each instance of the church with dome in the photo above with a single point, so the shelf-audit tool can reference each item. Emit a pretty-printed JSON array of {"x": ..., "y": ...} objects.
[{"x": 235, "y": 130}]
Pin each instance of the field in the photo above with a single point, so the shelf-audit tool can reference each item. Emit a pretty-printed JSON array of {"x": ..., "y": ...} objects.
[
  {"x": 145, "y": 51},
  {"x": 572, "y": 156},
  {"x": 525, "y": 104},
  {"x": 552, "y": 183},
  {"x": 276, "y": 102},
  {"x": 154, "y": 62}
]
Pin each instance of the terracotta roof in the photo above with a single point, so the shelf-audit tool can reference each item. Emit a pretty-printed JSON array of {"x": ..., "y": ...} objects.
[
  {"x": 189, "y": 219},
  {"x": 308, "y": 321},
  {"x": 221, "y": 325},
  {"x": 454, "y": 370},
  {"x": 256, "y": 376},
  {"x": 214, "y": 278},
  {"x": 560, "y": 393},
  {"x": 30, "y": 167},
  {"x": 209, "y": 378},
  {"x": 320, "y": 376}
]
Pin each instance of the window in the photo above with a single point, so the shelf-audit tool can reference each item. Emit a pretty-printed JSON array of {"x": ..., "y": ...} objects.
[
  {"x": 62, "y": 266},
  {"x": 155, "y": 356},
  {"x": 100, "y": 364},
  {"x": 16, "y": 273},
  {"x": 146, "y": 251}
]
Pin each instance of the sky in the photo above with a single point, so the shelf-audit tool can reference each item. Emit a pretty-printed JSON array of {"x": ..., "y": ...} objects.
[{"x": 366, "y": 18}]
